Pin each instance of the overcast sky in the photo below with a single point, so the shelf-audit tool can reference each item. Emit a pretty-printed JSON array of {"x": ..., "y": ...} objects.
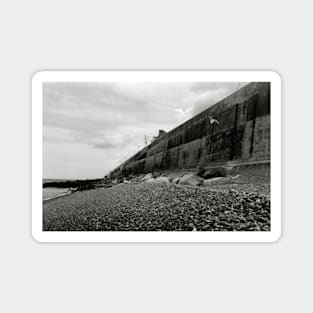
[{"x": 90, "y": 128}]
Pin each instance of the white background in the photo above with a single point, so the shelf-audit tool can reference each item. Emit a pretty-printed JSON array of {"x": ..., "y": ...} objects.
[{"x": 232, "y": 35}]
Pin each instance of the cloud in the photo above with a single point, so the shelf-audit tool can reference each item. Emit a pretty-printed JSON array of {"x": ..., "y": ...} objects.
[
  {"x": 100, "y": 124},
  {"x": 207, "y": 94}
]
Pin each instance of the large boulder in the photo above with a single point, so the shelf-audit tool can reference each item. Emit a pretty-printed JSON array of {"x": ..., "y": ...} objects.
[
  {"x": 175, "y": 176},
  {"x": 162, "y": 180},
  {"x": 147, "y": 176},
  {"x": 191, "y": 179},
  {"x": 156, "y": 174},
  {"x": 213, "y": 172},
  {"x": 211, "y": 181},
  {"x": 176, "y": 180},
  {"x": 150, "y": 180}
]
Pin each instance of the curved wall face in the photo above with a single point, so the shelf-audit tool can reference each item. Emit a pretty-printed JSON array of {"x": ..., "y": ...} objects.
[{"x": 242, "y": 135}]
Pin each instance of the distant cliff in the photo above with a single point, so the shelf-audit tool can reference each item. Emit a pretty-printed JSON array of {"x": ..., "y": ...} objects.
[{"x": 234, "y": 130}]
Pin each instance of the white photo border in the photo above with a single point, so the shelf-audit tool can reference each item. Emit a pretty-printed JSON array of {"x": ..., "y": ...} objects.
[{"x": 157, "y": 76}]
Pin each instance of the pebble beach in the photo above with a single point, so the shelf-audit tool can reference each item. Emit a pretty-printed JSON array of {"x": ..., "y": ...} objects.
[{"x": 239, "y": 205}]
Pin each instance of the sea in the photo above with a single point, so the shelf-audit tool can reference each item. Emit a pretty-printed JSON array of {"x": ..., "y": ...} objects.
[{"x": 52, "y": 192}]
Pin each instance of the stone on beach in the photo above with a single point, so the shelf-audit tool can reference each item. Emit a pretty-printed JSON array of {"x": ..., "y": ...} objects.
[
  {"x": 176, "y": 180},
  {"x": 162, "y": 180},
  {"x": 150, "y": 180},
  {"x": 191, "y": 179},
  {"x": 214, "y": 172},
  {"x": 147, "y": 177},
  {"x": 208, "y": 182}
]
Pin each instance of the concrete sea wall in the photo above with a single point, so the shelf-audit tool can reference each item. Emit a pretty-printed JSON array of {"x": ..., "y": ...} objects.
[{"x": 242, "y": 136}]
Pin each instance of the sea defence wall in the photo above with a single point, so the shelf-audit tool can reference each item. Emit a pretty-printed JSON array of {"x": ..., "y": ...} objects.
[{"x": 242, "y": 135}]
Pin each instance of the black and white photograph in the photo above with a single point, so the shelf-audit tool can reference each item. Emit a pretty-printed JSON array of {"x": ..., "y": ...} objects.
[{"x": 156, "y": 156}]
